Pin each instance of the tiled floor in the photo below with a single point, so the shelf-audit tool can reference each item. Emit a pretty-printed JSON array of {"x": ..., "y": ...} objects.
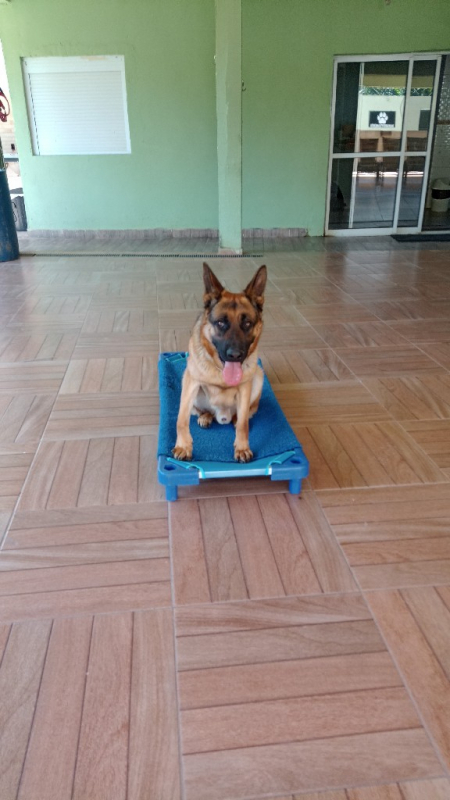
[{"x": 242, "y": 644}]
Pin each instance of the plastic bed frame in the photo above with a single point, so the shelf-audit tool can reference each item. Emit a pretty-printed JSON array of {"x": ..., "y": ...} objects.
[{"x": 291, "y": 466}]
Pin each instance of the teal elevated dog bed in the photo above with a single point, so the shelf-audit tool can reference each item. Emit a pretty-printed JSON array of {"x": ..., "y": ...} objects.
[{"x": 276, "y": 450}]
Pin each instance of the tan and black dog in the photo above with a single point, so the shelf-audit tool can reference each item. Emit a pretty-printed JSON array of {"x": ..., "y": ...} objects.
[{"x": 222, "y": 379}]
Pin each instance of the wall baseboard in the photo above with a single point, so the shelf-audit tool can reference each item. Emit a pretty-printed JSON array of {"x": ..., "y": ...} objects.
[{"x": 164, "y": 233}]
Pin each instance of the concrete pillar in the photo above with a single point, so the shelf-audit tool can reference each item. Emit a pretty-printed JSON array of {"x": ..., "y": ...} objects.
[{"x": 229, "y": 123}]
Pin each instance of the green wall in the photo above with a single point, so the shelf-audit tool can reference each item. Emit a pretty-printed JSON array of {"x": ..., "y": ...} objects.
[
  {"x": 287, "y": 69},
  {"x": 170, "y": 178}
]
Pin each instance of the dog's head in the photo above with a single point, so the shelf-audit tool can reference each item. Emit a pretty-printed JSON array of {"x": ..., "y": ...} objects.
[{"x": 233, "y": 322}]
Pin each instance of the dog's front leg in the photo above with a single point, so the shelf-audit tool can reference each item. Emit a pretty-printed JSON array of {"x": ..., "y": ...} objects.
[
  {"x": 183, "y": 445},
  {"x": 242, "y": 450}
]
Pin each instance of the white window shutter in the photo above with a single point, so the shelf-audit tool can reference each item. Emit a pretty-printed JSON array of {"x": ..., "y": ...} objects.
[{"x": 77, "y": 105}]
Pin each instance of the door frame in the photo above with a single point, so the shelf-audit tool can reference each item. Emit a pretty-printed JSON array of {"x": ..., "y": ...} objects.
[{"x": 387, "y": 231}]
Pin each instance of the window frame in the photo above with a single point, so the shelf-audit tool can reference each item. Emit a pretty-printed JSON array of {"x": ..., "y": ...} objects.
[{"x": 71, "y": 64}]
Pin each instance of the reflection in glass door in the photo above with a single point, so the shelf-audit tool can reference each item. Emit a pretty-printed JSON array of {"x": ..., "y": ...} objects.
[{"x": 381, "y": 140}]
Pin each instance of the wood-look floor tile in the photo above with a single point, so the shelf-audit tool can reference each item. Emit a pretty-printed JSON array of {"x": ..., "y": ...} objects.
[
  {"x": 436, "y": 330},
  {"x": 433, "y": 437},
  {"x": 413, "y": 397},
  {"x": 86, "y": 516},
  {"x": 394, "y": 552},
  {"x": 384, "y": 293},
  {"x": 23, "y": 418},
  {"x": 186, "y": 318},
  {"x": 13, "y": 472},
  {"x": 86, "y": 553},
  {"x": 386, "y": 505},
  {"x": 360, "y": 334},
  {"x": 291, "y": 338},
  {"x": 307, "y": 766},
  {"x": 58, "y": 320},
  {"x": 285, "y": 679},
  {"x": 174, "y": 340},
  {"x": 404, "y": 618},
  {"x": 251, "y": 673},
  {"x": 310, "y": 291},
  {"x": 252, "y": 547},
  {"x": 123, "y": 317},
  {"x": 278, "y": 644},
  {"x": 356, "y": 282},
  {"x": 114, "y": 733},
  {"x": 322, "y": 403},
  {"x": 271, "y": 627},
  {"x": 294, "y": 563},
  {"x": 285, "y": 315},
  {"x": 434, "y": 789},
  {"x": 92, "y": 472},
  {"x": 296, "y": 719},
  {"x": 71, "y": 601},
  {"x": 381, "y": 361},
  {"x": 39, "y": 345},
  {"x": 368, "y": 454},
  {"x": 393, "y": 537},
  {"x": 56, "y": 724},
  {"x": 78, "y": 533},
  {"x": 278, "y": 612},
  {"x": 326, "y": 557},
  {"x": 102, "y": 755},
  {"x": 396, "y": 310},
  {"x": 20, "y": 677},
  {"x": 153, "y": 748},
  {"x": 43, "y": 377},
  {"x": 106, "y": 573},
  {"x": 126, "y": 287},
  {"x": 439, "y": 351},
  {"x": 115, "y": 345},
  {"x": 180, "y": 300},
  {"x": 85, "y": 416},
  {"x": 305, "y": 366},
  {"x": 223, "y": 561},
  {"x": 106, "y": 375},
  {"x": 349, "y": 311},
  {"x": 37, "y": 305},
  {"x": 437, "y": 789},
  {"x": 267, "y": 574}
]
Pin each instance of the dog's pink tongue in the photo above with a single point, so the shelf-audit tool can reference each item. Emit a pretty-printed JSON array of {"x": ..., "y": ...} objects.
[{"x": 232, "y": 373}]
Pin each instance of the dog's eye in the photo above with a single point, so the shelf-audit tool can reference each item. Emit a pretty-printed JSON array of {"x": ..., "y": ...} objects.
[
  {"x": 246, "y": 325},
  {"x": 221, "y": 325}
]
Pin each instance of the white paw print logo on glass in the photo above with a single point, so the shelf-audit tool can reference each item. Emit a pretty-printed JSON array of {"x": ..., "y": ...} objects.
[{"x": 382, "y": 118}]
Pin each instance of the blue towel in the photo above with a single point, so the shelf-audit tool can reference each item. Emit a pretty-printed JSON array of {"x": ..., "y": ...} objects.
[{"x": 270, "y": 432}]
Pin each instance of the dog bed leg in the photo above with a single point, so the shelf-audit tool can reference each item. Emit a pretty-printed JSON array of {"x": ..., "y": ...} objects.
[
  {"x": 295, "y": 486},
  {"x": 171, "y": 493}
]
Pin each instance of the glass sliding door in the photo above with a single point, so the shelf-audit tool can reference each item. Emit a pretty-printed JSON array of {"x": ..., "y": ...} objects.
[
  {"x": 417, "y": 124},
  {"x": 382, "y": 113},
  {"x": 438, "y": 219}
]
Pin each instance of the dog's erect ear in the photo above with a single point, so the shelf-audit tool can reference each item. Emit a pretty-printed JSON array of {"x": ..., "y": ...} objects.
[
  {"x": 255, "y": 289},
  {"x": 213, "y": 287}
]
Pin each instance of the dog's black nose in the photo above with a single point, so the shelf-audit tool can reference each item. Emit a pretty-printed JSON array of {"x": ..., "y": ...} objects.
[{"x": 233, "y": 354}]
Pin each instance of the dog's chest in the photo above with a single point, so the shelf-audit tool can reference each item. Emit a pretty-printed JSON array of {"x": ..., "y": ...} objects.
[{"x": 221, "y": 397}]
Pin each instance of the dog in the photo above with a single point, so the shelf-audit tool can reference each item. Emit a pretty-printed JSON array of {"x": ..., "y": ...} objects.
[{"x": 223, "y": 380}]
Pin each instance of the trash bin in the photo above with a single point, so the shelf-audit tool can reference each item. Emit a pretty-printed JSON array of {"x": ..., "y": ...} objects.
[
  {"x": 440, "y": 196},
  {"x": 9, "y": 245},
  {"x": 20, "y": 216}
]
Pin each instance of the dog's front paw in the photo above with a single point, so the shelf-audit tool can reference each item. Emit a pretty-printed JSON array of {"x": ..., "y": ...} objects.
[
  {"x": 182, "y": 452},
  {"x": 243, "y": 454},
  {"x": 205, "y": 419}
]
